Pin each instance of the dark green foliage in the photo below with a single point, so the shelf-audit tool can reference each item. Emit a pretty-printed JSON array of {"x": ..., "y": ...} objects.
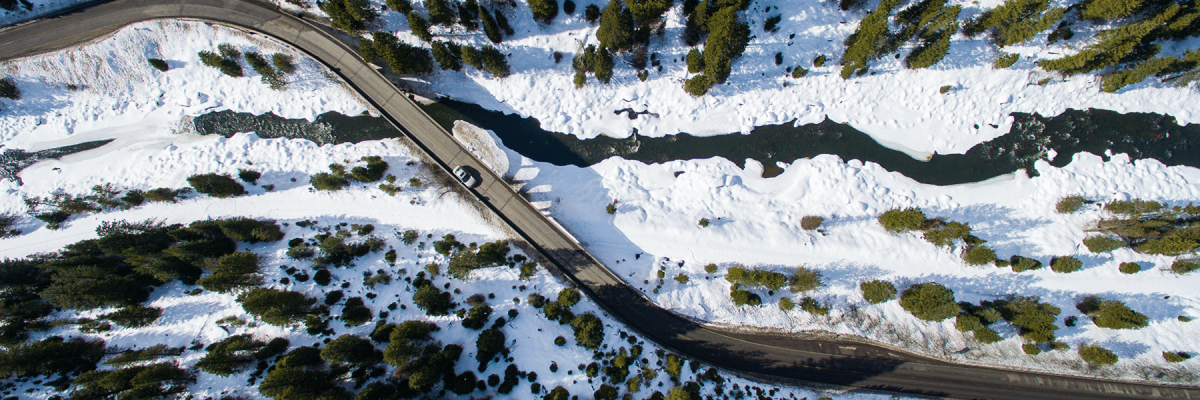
[
  {"x": 231, "y": 273},
  {"x": 366, "y": 50},
  {"x": 1096, "y": 355},
  {"x": 1022, "y": 264},
  {"x": 134, "y": 316},
  {"x": 471, "y": 56},
  {"x": 322, "y": 277},
  {"x": 1141, "y": 71},
  {"x": 758, "y": 277},
  {"x": 786, "y": 304},
  {"x": 544, "y": 10},
  {"x": 1182, "y": 266},
  {"x": 277, "y": 307},
  {"x": 432, "y": 300},
  {"x": 494, "y": 61},
  {"x": 350, "y": 16},
  {"x": 1016, "y": 21},
  {"x": 945, "y": 234},
  {"x": 1100, "y": 244},
  {"x": 1133, "y": 207},
  {"x": 771, "y": 24},
  {"x": 477, "y": 317},
  {"x": 569, "y": 7},
  {"x": 157, "y": 64},
  {"x": 216, "y": 185},
  {"x": 355, "y": 312},
  {"x": 569, "y": 297},
  {"x": 351, "y": 350},
  {"x": 929, "y": 301},
  {"x": 467, "y": 15},
  {"x": 979, "y": 255},
  {"x": 805, "y": 279},
  {"x": 1070, "y": 204},
  {"x": 490, "y": 28},
  {"x": 401, "y": 6},
  {"x": 270, "y": 76},
  {"x": 401, "y": 57},
  {"x": 374, "y": 170},
  {"x": 1168, "y": 246},
  {"x": 9, "y": 89},
  {"x": 420, "y": 26},
  {"x": 160, "y": 380},
  {"x": 1104, "y": 10},
  {"x": 165, "y": 194},
  {"x": 1034, "y": 319},
  {"x": 812, "y": 306},
  {"x": 231, "y": 355},
  {"x": 1005, "y": 60},
  {"x": 249, "y": 176},
  {"x": 1175, "y": 357},
  {"x": 536, "y": 300},
  {"x": 488, "y": 345},
  {"x": 327, "y": 181},
  {"x": 902, "y": 220},
  {"x": 440, "y": 12},
  {"x": 1065, "y": 264},
  {"x": 227, "y": 65},
  {"x": 250, "y": 230},
  {"x": 283, "y": 63},
  {"x": 463, "y": 261},
  {"x": 727, "y": 39},
  {"x": 85, "y": 287},
  {"x": 146, "y": 354},
  {"x": 649, "y": 10},
  {"x": 1121, "y": 44},
  {"x": 743, "y": 297},
  {"x": 555, "y": 311},
  {"x": 876, "y": 292},
  {"x": 603, "y": 66},
  {"x": 51, "y": 356},
  {"x": 616, "y": 27},
  {"x": 302, "y": 375},
  {"x": 589, "y": 331},
  {"x": 591, "y": 13},
  {"x": 1112, "y": 314},
  {"x": 867, "y": 40},
  {"x": 1130, "y": 268},
  {"x": 1031, "y": 349},
  {"x": 695, "y": 61},
  {"x": 503, "y": 22}
]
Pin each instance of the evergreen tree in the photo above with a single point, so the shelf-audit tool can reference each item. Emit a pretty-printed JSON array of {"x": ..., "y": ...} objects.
[
  {"x": 727, "y": 38},
  {"x": 503, "y": 22},
  {"x": 864, "y": 44},
  {"x": 1105, "y": 10},
  {"x": 471, "y": 56},
  {"x": 402, "y": 57},
  {"x": 1115, "y": 46},
  {"x": 604, "y": 66},
  {"x": 494, "y": 61},
  {"x": 86, "y": 287},
  {"x": 698, "y": 85},
  {"x": 447, "y": 55},
  {"x": 420, "y": 27},
  {"x": 350, "y": 16},
  {"x": 351, "y": 350},
  {"x": 649, "y": 10},
  {"x": 616, "y": 27},
  {"x": 589, "y": 331},
  {"x": 544, "y": 10},
  {"x": 400, "y": 6},
  {"x": 468, "y": 15},
  {"x": 695, "y": 61},
  {"x": 277, "y": 307},
  {"x": 440, "y": 12},
  {"x": 489, "y": 26},
  {"x": 488, "y": 345}
]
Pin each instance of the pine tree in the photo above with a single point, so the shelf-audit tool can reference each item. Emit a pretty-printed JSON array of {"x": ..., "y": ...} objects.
[
  {"x": 649, "y": 10},
  {"x": 366, "y": 49},
  {"x": 447, "y": 55},
  {"x": 544, "y": 10},
  {"x": 1114, "y": 47},
  {"x": 468, "y": 14},
  {"x": 695, "y": 61},
  {"x": 440, "y": 12},
  {"x": 420, "y": 27},
  {"x": 277, "y": 307},
  {"x": 604, "y": 66},
  {"x": 494, "y": 61},
  {"x": 616, "y": 27},
  {"x": 727, "y": 38},
  {"x": 1105, "y": 10},
  {"x": 864, "y": 44},
  {"x": 401, "y": 57},
  {"x": 489, "y": 26},
  {"x": 400, "y": 6}
]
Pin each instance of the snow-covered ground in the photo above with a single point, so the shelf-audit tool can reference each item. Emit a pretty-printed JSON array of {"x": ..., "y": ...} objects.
[
  {"x": 121, "y": 97},
  {"x": 898, "y": 107}
]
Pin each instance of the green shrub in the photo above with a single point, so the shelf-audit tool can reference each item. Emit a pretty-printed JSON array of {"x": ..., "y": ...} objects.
[
  {"x": 1182, "y": 266},
  {"x": 743, "y": 297},
  {"x": 1022, "y": 264},
  {"x": 1112, "y": 314},
  {"x": 810, "y": 305},
  {"x": 1168, "y": 246},
  {"x": 1096, "y": 355},
  {"x": 1035, "y": 319},
  {"x": 374, "y": 170},
  {"x": 695, "y": 61},
  {"x": 249, "y": 176},
  {"x": 283, "y": 63},
  {"x": 786, "y": 304},
  {"x": 432, "y": 300},
  {"x": 419, "y": 26},
  {"x": 216, "y": 185},
  {"x": 591, "y": 13},
  {"x": 799, "y": 72},
  {"x": 569, "y": 297},
  {"x": 930, "y": 301},
  {"x": 1130, "y": 268},
  {"x": 1176, "y": 356},
  {"x": 811, "y": 222},
  {"x": 805, "y": 279},
  {"x": 967, "y": 323},
  {"x": 1070, "y": 204},
  {"x": 1031, "y": 349},
  {"x": 819, "y": 61},
  {"x": 902, "y": 220},
  {"x": 327, "y": 181},
  {"x": 979, "y": 255},
  {"x": 9, "y": 89},
  {"x": 698, "y": 85},
  {"x": 1133, "y": 207},
  {"x": 350, "y": 350},
  {"x": 877, "y": 291},
  {"x": 681, "y": 278},
  {"x": 276, "y": 307},
  {"x": 134, "y": 316},
  {"x": 1100, "y": 244},
  {"x": 269, "y": 75},
  {"x": 544, "y": 10},
  {"x": 1066, "y": 264},
  {"x": 589, "y": 331},
  {"x": 757, "y": 277},
  {"x": 355, "y": 312},
  {"x": 1005, "y": 60},
  {"x": 710, "y": 268},
  {"x": 945, "y": 235},
  {"x": 158, "y": 64}
]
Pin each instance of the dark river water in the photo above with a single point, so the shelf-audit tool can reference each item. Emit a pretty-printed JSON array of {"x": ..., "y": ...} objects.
[{"x": 1141, "y": 135}]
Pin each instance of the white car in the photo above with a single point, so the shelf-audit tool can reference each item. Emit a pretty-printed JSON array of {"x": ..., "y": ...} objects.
[{"x": 466, "y": 176}]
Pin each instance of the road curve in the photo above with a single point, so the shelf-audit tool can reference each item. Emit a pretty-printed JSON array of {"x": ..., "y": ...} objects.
[{"x": 769, "y": 356}]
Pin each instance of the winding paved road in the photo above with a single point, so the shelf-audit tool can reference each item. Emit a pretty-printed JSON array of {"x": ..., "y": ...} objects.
[{"x": 777, "y": 357}]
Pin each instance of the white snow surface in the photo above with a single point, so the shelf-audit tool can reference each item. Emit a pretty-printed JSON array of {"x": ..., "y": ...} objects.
[{"x": 898, "y": 107}]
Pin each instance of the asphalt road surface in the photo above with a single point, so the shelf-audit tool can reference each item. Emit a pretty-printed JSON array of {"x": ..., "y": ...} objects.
[{"x": 785, "y": 358}]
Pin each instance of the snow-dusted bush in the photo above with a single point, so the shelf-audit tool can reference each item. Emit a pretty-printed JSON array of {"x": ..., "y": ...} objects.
[
  {"x": 1183, "y": 266},
  {"x": 786, "y": 304},
  {"x": 1035, "y": 319},
  {"x": 1070, "y": 204},
  {"x": 945, "y": 234},
  {"x": 1096, "y": 355},
  {"x": 432, "y": 300},
  {"x": 1175, "y": 357},
  {"x": 877, "y": 291},
  {"x": 1132, "y": 207},
  {"x": 812, "y": 306},
  {"x": 805, "y": 279},
  {"x": 1005, "y": 60},
  {"x": 929, "y": 301}
]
